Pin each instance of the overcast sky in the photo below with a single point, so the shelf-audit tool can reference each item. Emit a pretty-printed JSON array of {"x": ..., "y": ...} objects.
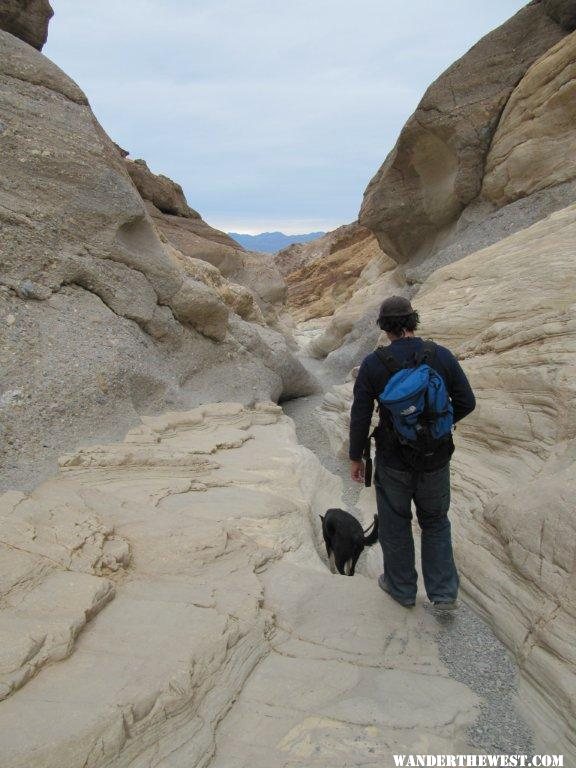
[{"x": 272, "y": 114}]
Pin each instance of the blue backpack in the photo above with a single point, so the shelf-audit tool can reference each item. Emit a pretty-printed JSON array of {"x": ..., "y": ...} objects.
[{"x": 419, "y": 409}]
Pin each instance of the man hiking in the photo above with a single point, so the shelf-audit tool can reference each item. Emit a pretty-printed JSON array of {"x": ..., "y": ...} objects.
[{"x": 422, "y": 391}]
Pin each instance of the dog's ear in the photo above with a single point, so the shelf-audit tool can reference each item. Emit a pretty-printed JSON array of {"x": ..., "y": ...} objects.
[{"x": 321, "y": 517}]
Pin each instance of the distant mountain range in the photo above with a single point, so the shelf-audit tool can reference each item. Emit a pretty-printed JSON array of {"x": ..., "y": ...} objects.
[{"x": 271, "y": 242}]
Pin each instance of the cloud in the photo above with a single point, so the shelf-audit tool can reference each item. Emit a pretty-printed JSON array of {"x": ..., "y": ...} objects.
[{"x": 265, "y": 111}]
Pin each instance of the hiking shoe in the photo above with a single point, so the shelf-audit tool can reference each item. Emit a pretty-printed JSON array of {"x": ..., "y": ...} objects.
[
  {"x": 445, "y": 606},
  {"x": 383, "y": 584}
]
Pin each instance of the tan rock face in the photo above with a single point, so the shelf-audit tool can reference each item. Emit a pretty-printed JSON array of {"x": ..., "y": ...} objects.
[
  {"x": 535, "y": 144},
  {"x": 436, "y": 167},
  {"x": 318, "y": 288},
  {"x": 98, "y": 318},
  {"x": 508, "y": 313},
  {"x": 26, "y": 19},
  {"x": 227, "y": 615},
  {"x": 299, "y": 255},
  {"x": 68, "y": 199},
  {"x": 379, "y": 279}
]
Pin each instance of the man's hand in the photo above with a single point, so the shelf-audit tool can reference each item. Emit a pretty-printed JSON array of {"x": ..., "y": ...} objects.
[{"x": 357, "y": 471}]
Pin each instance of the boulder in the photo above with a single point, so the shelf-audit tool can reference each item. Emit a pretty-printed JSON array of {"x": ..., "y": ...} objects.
[
  {"x": 270, "y": 346},
  {"x": 437, "y": 166},
  {"x": 200, "y": 305},
  {"x": 257, "y": 273},
  {"x": 240, "y": 299},
  {"x": 26, "y": 19}
]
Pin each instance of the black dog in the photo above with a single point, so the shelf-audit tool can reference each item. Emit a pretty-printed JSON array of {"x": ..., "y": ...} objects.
[{"x": 345, "y": 539}]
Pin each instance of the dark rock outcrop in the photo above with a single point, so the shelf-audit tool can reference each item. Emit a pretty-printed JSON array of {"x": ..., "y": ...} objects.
[
  {"x": 562, "y": 11},
  {"x": 26, "y": 19},
  {"x": 166, "y": 194}
]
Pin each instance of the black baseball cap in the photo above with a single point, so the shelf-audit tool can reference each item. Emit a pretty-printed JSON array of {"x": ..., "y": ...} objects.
[{"x": 395, "y": 306}]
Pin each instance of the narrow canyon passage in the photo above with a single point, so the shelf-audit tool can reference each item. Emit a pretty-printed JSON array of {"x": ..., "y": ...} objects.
[
  {"x": 352, "y": 677},
  {"x": 170, "y": 607}
]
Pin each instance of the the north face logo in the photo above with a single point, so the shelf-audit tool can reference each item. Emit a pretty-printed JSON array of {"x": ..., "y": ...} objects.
[{"x": 408, "y": 411}]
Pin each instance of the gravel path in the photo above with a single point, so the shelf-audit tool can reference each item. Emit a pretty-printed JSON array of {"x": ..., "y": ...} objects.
[{"x": 468, "y": 647}]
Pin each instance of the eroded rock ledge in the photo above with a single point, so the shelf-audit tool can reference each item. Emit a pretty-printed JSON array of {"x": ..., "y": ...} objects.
[{"x": 157, "y": 581}]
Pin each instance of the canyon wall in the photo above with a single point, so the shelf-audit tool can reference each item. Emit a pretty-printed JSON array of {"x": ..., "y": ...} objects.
[
  {"x": 476, "y": 205},
  {"x": 113, "y": 301},
  {"x": 327, "y": 281},
  {"x": 488, "y": 152},
  {"x": 428, "y": 204},
  {"x": 507, "y": 312}
]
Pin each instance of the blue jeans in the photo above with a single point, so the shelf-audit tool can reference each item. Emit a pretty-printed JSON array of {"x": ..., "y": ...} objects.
[{"x": 430, "y": 491}]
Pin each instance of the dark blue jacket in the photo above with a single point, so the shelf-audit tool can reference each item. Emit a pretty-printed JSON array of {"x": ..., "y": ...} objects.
[{"x": 373, "y": 377}]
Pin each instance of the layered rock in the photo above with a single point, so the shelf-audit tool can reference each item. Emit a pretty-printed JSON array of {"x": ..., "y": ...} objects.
[
  {"x": 226, "y": 616},
  {"x": 324, "y": 283},
  {"x": 534, "y": 145},
  {"x": 334, "y": 285},
  {"x": 507, "y": 313},
  {"x": 354, "y": 322},
  {"x": 426, "y": 199},
  {"x": 166, "y": 195},
  {"x": 55, "y": 558},
  {"x": 100, "y": 318},
  {"x": 26, "y": 19},
  {"x": 296, "y": 256}
]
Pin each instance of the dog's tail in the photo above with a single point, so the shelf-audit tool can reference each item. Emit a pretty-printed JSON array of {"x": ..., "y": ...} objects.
[{"x": 372, "y": 537}]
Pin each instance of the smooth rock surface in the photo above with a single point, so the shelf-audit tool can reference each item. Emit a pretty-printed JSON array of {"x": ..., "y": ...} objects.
[
  {"x": 534, "y": 146},
  {"x": 212, "y": 632},
  {"x": 100, "y": 318}
]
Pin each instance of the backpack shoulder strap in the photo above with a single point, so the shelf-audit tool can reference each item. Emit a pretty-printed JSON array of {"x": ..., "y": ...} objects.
[
  {"x": 427, "y": 353},
  {"x": 388, "y": 360}
]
